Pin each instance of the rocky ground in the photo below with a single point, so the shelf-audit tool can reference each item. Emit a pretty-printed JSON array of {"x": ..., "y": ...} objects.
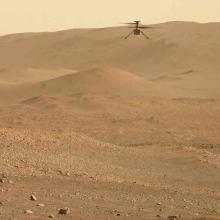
[
  {"x": 146, "y": 160},
  {"x": 93, "y": 126}
]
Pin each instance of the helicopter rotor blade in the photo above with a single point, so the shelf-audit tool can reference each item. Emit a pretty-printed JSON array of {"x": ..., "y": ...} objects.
[
  {"x": 145, "y": 27},
  {"x": 128, "y": 23}
]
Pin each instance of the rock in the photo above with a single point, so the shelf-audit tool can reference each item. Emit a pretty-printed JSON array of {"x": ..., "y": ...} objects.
[
  {"x": 51, "y": 216},
  {"x": 115, "y": 212},
  {"x": 64, "y": 211},
  {"x": 173, "y": 217},
  {"x": 28, "y": 212},
  {"x": 33, "y": 198},
  {"x": 41, "y": 205},
  {"x": 10, "y": 182},
  {"x": 2, "y": 180},
  {"x": 159, "y": 203}
]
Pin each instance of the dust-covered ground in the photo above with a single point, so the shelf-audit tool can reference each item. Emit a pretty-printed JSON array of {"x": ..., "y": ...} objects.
[
  {"x": 142, "y": 160},
  {"x": 108, "y": 127}
]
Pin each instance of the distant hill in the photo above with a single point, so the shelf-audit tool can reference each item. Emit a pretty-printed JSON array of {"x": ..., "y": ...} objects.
[
  {"x": 180, "y": 60},
  {"x": 174, "y": 47}
]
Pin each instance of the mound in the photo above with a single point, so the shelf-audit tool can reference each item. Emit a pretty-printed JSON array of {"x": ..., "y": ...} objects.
[
  {"x": 104, "y": 81},
  {"x": 95, "y": 81}
]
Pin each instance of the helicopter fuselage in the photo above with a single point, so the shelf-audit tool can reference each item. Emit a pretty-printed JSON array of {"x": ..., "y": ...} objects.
[{"x": 137, "y": 32}]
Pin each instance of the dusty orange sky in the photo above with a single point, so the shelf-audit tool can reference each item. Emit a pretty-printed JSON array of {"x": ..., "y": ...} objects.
[{"x": 50, "y": 15}]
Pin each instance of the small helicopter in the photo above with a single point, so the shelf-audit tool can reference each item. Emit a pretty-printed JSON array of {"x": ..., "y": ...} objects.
[{"x": 137, "y": 29}]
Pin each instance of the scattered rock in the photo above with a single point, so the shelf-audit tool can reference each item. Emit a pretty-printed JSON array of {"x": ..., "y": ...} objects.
[
  {"x": 28, "y": 212},
  {"x": 41, "y": 205},
  {"x": 51, "y": 216},
  {"x": 173, "y": 217},
  {"x": 64, "y": 211},
  {"x": 33, "y": 198},
  {"x": 3, "y": 175},
  {"x": 60, "y": 196},
  {"x": 115, "y": 212}
]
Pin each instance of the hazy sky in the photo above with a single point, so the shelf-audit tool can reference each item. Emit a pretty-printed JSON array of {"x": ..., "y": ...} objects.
[{"x": 50, "y": 15}]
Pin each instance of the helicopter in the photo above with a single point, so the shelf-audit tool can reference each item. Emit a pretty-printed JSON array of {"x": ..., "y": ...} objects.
[{"x": 137, "y": 29}]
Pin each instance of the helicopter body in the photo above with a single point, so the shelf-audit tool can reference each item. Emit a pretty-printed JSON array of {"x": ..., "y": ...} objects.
[
  {"x": 137, "y": 29},
  {"x": 137, "y": 32}
]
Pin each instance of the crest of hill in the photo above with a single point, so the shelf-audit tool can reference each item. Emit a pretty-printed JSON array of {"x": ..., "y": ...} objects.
[
  {"x": 100, "y": 81},
  {"x": 173, "y": 47},
  {"x": 107, "y": 80}
]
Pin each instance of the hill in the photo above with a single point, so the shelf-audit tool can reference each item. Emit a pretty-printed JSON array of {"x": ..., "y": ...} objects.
[
  {"x": 111, "y": 128},
  {"x": 100, "y": 81},
  {"x": 174, "y": 47}
]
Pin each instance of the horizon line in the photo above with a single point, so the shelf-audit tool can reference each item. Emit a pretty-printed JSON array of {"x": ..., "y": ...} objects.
[{"x": 102, "y": 27}]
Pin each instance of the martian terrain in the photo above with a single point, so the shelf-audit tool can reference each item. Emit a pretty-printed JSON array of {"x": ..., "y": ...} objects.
[{"x": 95, "y": 127}]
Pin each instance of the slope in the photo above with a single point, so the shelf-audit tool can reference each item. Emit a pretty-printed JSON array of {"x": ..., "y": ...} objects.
[{"x": 174, "y": 47}]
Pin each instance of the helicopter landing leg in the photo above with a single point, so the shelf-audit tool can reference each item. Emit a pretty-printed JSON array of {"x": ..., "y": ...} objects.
[
  {"x": 144, "y": 35},
  {"x": 129, "y": 35}
]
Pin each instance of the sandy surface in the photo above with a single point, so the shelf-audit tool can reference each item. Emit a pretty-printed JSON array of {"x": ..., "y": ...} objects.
[{"x": 112, "y": 129}]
